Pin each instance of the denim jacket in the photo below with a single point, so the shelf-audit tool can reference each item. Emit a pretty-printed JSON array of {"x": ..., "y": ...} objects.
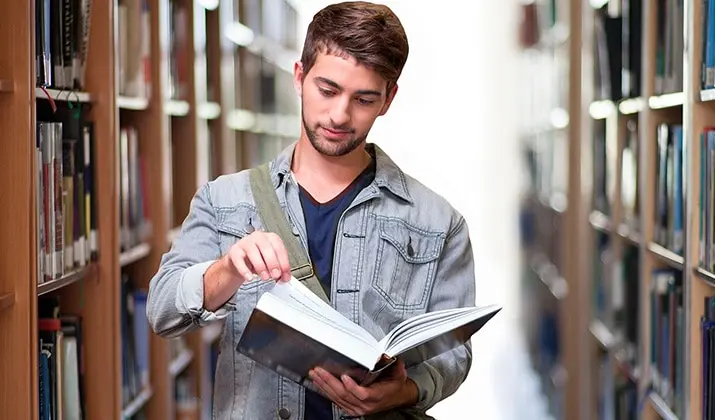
[{"x": 400, "y": 250}]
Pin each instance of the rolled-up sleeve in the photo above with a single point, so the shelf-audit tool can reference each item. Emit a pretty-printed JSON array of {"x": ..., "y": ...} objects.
[
  {"x": 176, "y": 291},
  {"x": 441, "y": 376}
]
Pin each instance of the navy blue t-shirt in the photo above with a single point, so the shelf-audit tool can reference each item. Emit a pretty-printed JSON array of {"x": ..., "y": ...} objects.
[{"x": 321, "y": 221}]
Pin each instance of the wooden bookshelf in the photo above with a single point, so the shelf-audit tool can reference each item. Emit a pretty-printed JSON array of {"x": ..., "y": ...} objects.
[
  {"x": 182, "y": 139},
  {"x": 638, "y": 252}
]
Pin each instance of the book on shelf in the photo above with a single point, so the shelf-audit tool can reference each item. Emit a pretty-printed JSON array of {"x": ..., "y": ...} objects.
[
  {"x": 707, "y": 331},
  {"x": 134, "y": 52},
  {"x": 62, "y": 30},
  {"x": 670, "y": 188},
  {"x": 291, "y": 331},
  {"x": 667, "y": 338},
  {"x": 66, "y": 205},
  {"x": 60, "y": 371}
]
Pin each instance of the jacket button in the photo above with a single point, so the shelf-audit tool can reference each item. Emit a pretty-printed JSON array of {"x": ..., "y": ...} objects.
[{"x": 284, "y": 413}]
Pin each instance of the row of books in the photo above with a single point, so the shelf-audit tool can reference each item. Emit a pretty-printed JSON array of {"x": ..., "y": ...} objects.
[
  {"x": 669, "y": 47},
  {"x": 134, "y": 40},
  {"x": 62, "y": 30},
  {"x": 134, "y": 340},
  {"x": 667, "y": 338},
  {"x": 134, "y": 222},
  {"x": 707, "y": 54},
  {"x": 670, "y": 188},
  {"x": 66, "y": 210},
  {"x": 605, "y": 170},
  {"x": 617, "y": 45},
  {"x": 617, "y": 394},
  {"x": 707, "y": 325},
  {"x": 60, "y": 371},
  {"x": 706, "y": 230}
]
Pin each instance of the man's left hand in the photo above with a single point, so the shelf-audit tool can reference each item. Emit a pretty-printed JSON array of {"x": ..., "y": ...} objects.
[{"x": 395, "y": 390}]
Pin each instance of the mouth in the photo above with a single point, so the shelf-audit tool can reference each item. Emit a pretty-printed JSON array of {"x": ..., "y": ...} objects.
[{"x": 336, "y": 134}]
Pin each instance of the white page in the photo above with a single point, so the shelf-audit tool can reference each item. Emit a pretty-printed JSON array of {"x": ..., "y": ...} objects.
[
  {"x": 330, "y": 334},
  {"x": 296, "y": 293},
  {"x": 421, "y": 319},
  {"x": 421, "y": 335}
]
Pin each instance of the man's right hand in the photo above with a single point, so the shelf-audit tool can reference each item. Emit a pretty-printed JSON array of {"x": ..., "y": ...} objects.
[
  {"x": 259, "y": 254},
  {"x": 262, "y": 254}
]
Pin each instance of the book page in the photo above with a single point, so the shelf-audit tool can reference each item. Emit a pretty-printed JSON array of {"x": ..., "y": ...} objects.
[
  {"x": 282, "y": 331},
  {"x": 414, "y": 322},
  {"x": 451, "y": 328},
  {"x": 299, "y": 296}
]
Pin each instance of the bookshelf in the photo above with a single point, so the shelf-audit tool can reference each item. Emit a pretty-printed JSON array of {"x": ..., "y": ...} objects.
[
  {"x": 111, "y": 150},
  {"x": 643, "y": 275}
]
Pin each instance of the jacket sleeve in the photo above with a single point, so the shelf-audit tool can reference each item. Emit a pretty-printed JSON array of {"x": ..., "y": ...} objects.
[
  {"x": 176, "y": 291},
  {"x": 441, "y": 376}
]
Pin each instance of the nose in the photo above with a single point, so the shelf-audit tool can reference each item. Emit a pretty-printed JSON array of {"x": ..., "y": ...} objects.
[{"x": 340, "y": 113}]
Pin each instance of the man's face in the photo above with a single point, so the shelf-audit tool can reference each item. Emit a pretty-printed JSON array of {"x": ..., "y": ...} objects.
[{"x": 340, "y": 102}]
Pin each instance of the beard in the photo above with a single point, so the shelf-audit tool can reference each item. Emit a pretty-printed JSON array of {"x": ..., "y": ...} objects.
[{"x": 334, "y": 148}]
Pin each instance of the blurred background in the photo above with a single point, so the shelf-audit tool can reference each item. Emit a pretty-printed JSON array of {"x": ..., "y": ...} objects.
[{"x": 575, "y": 136}]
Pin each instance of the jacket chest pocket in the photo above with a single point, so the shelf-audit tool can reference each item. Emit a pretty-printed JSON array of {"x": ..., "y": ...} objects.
[{"x": 406, "y": 261}]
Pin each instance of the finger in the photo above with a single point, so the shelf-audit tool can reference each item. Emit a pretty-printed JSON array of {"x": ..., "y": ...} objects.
[
  {"x": 282, "y": 255},
  {"x": 256, "y": 259},
  {"x": 237, "y": 257},
  {"x": 360, "y": 392},
  {"x": 332, "y": 394},
  {"x": 337, "y": 387},
  {"x": 270, "y": 258}
]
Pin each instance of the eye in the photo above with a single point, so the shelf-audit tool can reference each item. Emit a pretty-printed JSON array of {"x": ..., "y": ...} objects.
[
  {"x": 326, "y": 92},
  {"x": 363, "y": 101}
]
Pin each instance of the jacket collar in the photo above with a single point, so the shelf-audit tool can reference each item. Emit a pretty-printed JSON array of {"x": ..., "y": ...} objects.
[{"x": 387, "y": 174}]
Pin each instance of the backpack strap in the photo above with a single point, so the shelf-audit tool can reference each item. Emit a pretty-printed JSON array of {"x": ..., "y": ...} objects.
[{"x": 275, "y": 221}]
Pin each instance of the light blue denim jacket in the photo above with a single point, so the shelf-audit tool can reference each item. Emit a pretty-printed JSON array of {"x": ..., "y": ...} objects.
[{"x": 400, "y": 250}]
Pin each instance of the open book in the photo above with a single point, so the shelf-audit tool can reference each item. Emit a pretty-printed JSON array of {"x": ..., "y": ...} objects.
[{"x": 291, "y": 331}]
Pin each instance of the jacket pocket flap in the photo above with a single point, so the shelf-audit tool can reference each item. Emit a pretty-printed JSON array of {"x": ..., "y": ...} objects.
[
  {"x": 237, "y": 221},
  {"x": 416, "y": 245}
]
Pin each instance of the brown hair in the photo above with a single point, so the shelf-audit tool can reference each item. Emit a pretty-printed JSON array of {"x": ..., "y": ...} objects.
[{"x": 370, "y": 33}]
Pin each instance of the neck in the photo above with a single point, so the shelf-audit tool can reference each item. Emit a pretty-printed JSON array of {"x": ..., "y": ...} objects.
[{"x": 310, "y": 166}]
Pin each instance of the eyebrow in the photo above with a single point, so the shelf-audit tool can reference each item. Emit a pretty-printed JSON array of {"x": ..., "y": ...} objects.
[{"x": 338, "y": 87}]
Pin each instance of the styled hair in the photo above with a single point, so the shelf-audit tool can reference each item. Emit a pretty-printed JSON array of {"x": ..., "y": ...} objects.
[{"x": 368, "y": 32}]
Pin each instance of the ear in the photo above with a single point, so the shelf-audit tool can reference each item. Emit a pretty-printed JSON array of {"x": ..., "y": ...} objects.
[
  {"x": 390, "y": 96},
  {"x": 298, "y": 78}
]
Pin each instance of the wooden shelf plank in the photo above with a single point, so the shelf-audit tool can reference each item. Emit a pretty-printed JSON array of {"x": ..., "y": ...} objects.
[
  {"x": 666, "y": 255},
  {"x": 177, "y": 108},
  {"x": 137, "y": 403},
  {"x": 602, "y": 334},
  {"x": 705, "y": 275},
  {"x": 6, "y": 85},
  {"x": 707, "y": 95},
  {"x": 130, "y": 103},
  {"x": 661, "y": 407},
  {"x": 631, "y": 235},
  {"x": 209, "y": 110},
  {"x": 600, "y": 221},
  {"x": 6, "y": 300},
  {"x": 600, "y": 110},
  {"x": 668, "y": 100},
  {"x": 64, "y": 95},
  {"x": 180, "y": 363},
  {"x": 550, "y": 277},
  {"x": 631, "y": 106},
  {"x": 134, "y": 254},
  {"x": 63, "y": 281}
]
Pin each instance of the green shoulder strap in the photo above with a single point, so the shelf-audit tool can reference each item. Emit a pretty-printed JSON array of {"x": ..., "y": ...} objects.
[{"x": 275, "y": 221}]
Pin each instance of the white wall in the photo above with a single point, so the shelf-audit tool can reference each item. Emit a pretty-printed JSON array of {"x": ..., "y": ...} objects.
[{"x": 453, "y": 126}]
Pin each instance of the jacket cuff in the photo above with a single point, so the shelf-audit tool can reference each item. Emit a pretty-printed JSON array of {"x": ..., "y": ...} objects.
[
  {"x": 426, "y": 386},
  {"x": 190, "y": 296}
]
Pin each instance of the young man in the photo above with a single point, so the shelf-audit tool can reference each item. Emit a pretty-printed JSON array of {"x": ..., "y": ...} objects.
[{"x": 383, "y": 246}]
